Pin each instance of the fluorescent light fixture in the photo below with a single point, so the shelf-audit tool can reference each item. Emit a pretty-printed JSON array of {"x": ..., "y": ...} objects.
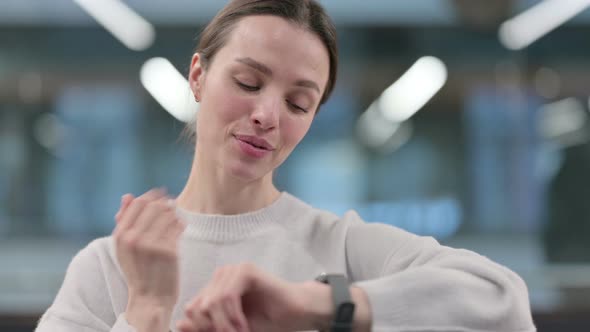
[
  {"x": 413, "y": 90},
  {"x": 169, "y": 88},
  {"x": 525, "y": 28},
  {"x": 381, "y": 134},
  {"x": 561, "y": 118},
  {"x": 125, "y": 24},
  {"x": 373, "y": 129},
  {"x": 384, "y": 126}
]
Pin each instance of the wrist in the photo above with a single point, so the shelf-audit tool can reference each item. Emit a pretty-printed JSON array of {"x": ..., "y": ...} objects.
[
  {"x": 147, "y": 315},
  {"x": 362, "y": 313},
  {"x": 319, "y": 310}
]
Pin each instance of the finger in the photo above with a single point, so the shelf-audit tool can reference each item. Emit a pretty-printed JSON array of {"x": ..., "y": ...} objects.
[
  {"x": 130, "y": 215},
  {"x": 233, "y": 282},
  {"x": 152, "y": 217},
  {"x": 195, "y": 318},
  {"x": 172, "y": 202},
  {"x": 186, "y": 325},
  {"x": 125, "y": 201},
  {"x": 154, "y": 194},
  {"x": 220, "y": 317},
  {"x": 226, "y": 287},
  {"x": 236, "y": 314},
  {"x": 149, "y": 196},
  {"x": 167, "y": 223},
  {"x": 136, "y": 207},
  {"x": 172, "y": 233}
]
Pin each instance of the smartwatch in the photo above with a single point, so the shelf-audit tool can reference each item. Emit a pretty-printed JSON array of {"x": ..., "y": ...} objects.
[{"x": 343, "y": 305}]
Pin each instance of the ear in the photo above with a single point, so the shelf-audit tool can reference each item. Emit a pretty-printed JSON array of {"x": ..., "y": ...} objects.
[{"x": 196, "y": 76}]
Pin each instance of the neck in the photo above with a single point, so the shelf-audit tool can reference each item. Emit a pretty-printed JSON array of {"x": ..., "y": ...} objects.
[{"x": 210, "y": 191}]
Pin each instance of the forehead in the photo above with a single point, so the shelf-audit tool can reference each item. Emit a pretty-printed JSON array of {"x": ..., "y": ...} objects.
[{"x": 279, "y": 44}]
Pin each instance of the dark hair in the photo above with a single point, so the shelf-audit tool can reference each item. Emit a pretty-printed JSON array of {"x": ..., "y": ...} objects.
[{"x": 309, "y": 14}]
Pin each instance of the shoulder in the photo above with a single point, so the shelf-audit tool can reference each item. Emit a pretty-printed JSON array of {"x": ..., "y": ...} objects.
[
  {"x": 95, "y": 261},
  {"x": 97, "y": 251},
  {"x": 92, "y": 290},
  {"x": 300, "y": 213},
  {"x": 359, "y": 231},
  {"x": 309, "y": 219}
]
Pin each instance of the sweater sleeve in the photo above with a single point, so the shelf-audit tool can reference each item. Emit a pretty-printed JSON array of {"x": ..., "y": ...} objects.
[
  {"x": 415, "y": 284},
  {"x": 83, "y": 303}
]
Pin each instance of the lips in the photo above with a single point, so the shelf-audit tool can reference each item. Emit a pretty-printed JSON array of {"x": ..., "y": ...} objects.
[{"x": 255, "y": 141}]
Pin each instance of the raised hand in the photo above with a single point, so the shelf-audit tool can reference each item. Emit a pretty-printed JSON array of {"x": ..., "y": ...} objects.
[{"x": 146, "y": 239}]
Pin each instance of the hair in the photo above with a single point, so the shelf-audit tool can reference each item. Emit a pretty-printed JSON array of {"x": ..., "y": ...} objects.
[{"x": 308, "y": 14}]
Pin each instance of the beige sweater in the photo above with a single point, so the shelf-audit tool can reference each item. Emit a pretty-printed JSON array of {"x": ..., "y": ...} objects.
[{"x": 413, "y": 283}]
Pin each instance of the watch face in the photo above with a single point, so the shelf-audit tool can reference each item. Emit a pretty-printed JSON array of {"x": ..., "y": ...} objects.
[{"x": 322, "y": 278}]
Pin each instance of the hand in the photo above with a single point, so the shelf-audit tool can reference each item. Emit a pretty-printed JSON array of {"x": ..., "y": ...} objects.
[
  {"x": 146, "y": 239},
  {"x": 244, "y": 298}
]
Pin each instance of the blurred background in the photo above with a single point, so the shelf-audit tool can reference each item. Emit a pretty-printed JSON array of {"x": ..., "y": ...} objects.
[{"x": 465, "y": 120}]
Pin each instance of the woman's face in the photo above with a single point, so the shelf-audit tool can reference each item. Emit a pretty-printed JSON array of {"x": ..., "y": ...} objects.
[{"x": 258, "y": 96}]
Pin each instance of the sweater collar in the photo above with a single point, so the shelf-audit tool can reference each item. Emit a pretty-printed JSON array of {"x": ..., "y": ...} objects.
[{"x": 223, "y": 228}]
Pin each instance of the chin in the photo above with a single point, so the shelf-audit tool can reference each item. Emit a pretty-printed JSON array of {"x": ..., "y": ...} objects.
[{"x": 246, "y": 173}]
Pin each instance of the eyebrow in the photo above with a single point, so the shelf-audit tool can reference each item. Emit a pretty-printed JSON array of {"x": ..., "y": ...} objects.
[{"x": 267, "y": 71}]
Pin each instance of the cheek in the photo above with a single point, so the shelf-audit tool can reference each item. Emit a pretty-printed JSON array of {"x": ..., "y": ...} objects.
[
  {"x": 236, "y": 107},
  {"x": 294, "y": 130},
  {"x": 231, "y": 107},
  {"x": 221, "y": 108}
]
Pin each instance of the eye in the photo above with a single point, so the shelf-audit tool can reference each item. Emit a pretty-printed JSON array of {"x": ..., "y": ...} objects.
[
  {"x": 250, "y": 88},
  {"x": 296, "y": 107}
]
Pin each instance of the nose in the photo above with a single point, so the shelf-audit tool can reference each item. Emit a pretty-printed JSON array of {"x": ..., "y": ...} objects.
[{"x": 266, "y": 114}]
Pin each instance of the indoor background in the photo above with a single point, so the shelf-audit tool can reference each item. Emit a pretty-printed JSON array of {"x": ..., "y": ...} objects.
[{"x": 465, "y": 120}]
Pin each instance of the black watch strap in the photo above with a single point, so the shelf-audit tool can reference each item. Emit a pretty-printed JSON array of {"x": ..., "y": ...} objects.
[{"x": 343, "y": 305}]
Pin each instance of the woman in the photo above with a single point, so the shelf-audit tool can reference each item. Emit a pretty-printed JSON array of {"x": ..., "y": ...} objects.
[{"x": 232, "y": 253}]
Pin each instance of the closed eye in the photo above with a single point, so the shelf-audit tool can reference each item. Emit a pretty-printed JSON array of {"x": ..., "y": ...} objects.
[
  {"x": 296, "y": 107},
  {"x": 247, "y": 87}
]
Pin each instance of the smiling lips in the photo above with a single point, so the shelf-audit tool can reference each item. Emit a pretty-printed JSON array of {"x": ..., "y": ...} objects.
[{"x": 253, "y": 146}]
